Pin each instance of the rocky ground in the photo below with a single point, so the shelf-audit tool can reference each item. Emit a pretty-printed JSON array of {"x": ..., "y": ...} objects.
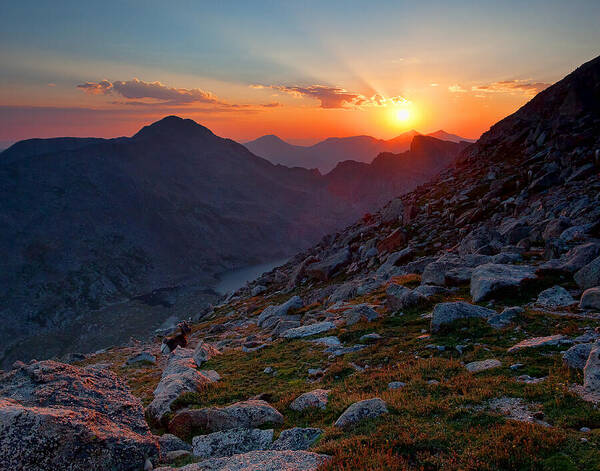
[{"x": 454, "y": 329}]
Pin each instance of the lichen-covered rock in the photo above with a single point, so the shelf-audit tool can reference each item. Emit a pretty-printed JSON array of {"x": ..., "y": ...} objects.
[
  {"x": 577, "y": 355},
  {"x": 247, "y": 414},
  {"x": 296, "y": 439},
  {"x": 446, "y": 313},
  {"x": 589, "y": 275},
  {"x": 272, "y": 314},
  {"x": 169, "y": 442},
  {"x": 492, "y": 279},
  {"x": 203, "y": 352},
  {"x": 537, "y": 342},
  {"x": 271, "y": 460},
  {"x": 308, "y": 330},
  {"x": 327, "y": 268},
  {"x": 358, "y": 313},
  {"x": 590, "y": 299},
  {"x": 317, "y": 398},
  {"x": 55, "y": 416},
  {"x": 367, "y": 409},
  {"x": 505, "y": 317},
  {"x": 179, "y": 376},
  {"x": 231, "y": 442},
  {"x": 140, "y": 358},
  {"x": 400, "y": 297},
  {"x": 478, "y": 366},
  {"x": 591, "y": 374},
  {"x": 555, "y": 297}
]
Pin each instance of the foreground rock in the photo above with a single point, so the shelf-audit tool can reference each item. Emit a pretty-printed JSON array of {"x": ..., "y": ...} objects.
[
  {"x": 168, "y": 442},
  {"x": 204, "y": 352},
  {"x": 247, "y": 414},
  {"x": 537, "y": 342},
  {"x": 273, "y": 314},
  {"x": 589, "y": 275},
  {"x": 555, "y": 297},
  {"x": 367, "y": 409},
  {"x": 577, "y": 356},
  {"x": 271, "y": 460},
  {"x": 590, "y": 299},
  {"x": 178, "y": 377},
  {"x": 317, "y": 398},
  {"x": 478, "y": 366},
  {"x": 591, "y": 375},
  {"x": 446, "y": 313},
  {"x": 493, "y": 279},
  {"x": 231, "y": 442},
  {"x": 308, "y": 330},
  {"x": 297, "y": 439},
  {"x": 55, "y": 416}
]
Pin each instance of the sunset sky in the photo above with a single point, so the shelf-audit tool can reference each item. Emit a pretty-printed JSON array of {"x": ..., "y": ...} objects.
[{"x": 302, "y": 70}]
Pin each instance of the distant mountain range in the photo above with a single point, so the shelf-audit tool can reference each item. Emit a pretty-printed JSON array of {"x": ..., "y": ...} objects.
[
  {"x": 92, "y": 225},
  {"x": 325, "y": 155}
]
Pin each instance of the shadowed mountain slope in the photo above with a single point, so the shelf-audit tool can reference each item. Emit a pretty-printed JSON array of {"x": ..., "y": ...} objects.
[{"x": 325, "y": 155}]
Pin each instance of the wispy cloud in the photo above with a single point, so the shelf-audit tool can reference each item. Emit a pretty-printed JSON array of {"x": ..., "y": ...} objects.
[
  {"x": 512, "y": 86},
  {"x": 525, "y": 87},
  {"x": 335, "y": 97},
  {"x": 456, "y": 89}
]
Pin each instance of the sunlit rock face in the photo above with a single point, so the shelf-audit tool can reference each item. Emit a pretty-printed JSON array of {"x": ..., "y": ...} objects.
[{"x": 57, "y": 416}]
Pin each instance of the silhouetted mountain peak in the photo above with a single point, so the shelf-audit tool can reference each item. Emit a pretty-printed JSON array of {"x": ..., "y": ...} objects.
[{"x": 174, "y": 127}]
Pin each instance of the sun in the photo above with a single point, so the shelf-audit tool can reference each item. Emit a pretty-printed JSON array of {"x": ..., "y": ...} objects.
[{"x": 402, "y": 115}]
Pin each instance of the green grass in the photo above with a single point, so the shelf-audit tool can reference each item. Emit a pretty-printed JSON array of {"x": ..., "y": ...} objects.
[{"x": 429, "y": 427}]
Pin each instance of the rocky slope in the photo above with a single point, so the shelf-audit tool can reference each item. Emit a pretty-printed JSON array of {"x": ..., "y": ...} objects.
[{"x": 454, "y": 329}]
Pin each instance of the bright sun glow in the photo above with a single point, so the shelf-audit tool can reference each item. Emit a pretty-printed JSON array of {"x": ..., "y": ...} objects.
[{"x": 402, "y": 115}]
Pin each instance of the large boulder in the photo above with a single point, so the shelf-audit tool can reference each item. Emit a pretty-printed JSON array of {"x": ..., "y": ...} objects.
[
  {"x": 59, "y": 416},
  {"x": 358, "y": 313},
  {"x": 296, "y": 439},
  {"x": 169, "y": 442},
  {"x": 555, "y": 297},
  {"x": 272, "y": 314},
  {"x": 271, "y": 460},
  {"x": 503, "y": 319},
  {"x": 203, "y": 352},
  {"x": 577, "y": 355},
  {"x": 394, "y": 241},
  {"x": 493, "y": 279},
  {"x": 367, "y": 409},
  {"x": 247, "y": 414},
  {"x": 400, "y": 297},
  {"x": 589, "y": 275},
  {"x": 179, "y": 376},
  {"x": 591, "y": 374},
  {"x": 590, "y": 299},
  {"x": 446, "y": 313},
  {"x": 325, "y": 269},
  {"x": 317, "y": 398},
  {"x": 308, "y": 330},
  {"x": 231, "y": 442}
]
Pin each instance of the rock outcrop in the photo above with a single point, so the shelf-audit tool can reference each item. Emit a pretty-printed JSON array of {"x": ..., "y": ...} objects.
[{"x": 57, "y": 416}]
